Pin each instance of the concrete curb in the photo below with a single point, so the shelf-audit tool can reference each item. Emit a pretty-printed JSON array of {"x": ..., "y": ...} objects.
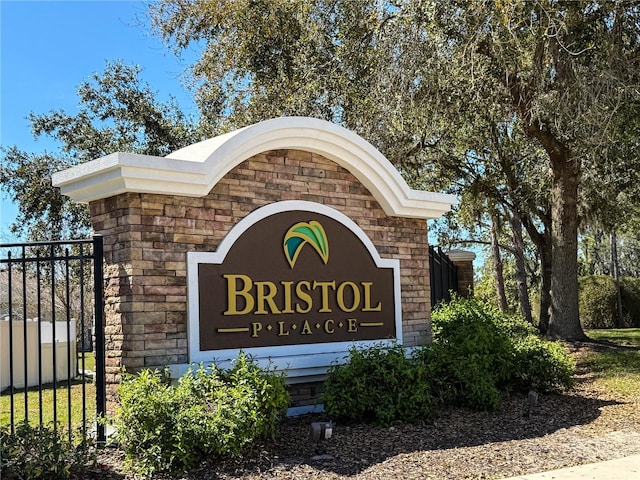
[{"x": 627, "y": 468}]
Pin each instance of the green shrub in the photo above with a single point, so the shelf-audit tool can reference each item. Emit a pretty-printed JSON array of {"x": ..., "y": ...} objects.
[
  {"x": 34, "y": 452},
  {"x": 479, "y": 354},
  {"x": 380, "y": 384},
  {"x": 630, "y": 301},
  {"x": 209, "y": 413},
  {"x": 268, "y": 387},
  {"x": 541, "y": 365},
  {"x": 598, "y": 300},
  {"x": 472, "y": 352}
]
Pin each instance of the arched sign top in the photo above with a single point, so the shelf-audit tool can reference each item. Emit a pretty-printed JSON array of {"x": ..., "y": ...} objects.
[
  {"x": 291, "y": 205},
  {"x": 196, "y": 169}
]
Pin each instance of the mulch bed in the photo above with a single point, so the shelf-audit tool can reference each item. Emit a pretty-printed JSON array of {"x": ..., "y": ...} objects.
[{"x": 584, "y": 426}]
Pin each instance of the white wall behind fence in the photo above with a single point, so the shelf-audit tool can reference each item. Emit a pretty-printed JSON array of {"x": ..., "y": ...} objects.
[{"x": 45, "y": 350}]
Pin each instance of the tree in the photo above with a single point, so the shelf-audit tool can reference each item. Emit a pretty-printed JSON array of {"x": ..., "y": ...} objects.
[
  {"x": 118, "y": 112},
  {"x": 559, "y": 68},
  {"x": 421, "y": 80},
  {"x": 43, "y": 213},
  {"x": 614, "y": 194},
  {"x": 508, "y": 174}
]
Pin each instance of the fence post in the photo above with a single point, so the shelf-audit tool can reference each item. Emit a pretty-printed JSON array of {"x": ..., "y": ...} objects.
[
  {"x": 11, "y": 363},
  {"x": 463, "y": 260},
  {"x": 98, "y": 285}
]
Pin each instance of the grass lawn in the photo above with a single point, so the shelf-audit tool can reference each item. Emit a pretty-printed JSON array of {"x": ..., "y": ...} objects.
[
  {"x": 89, "y": 361},
  {"x": 623, "y": 336},
  {"x": 617, "y": 369},
  {"x": 62, "y": 399}
]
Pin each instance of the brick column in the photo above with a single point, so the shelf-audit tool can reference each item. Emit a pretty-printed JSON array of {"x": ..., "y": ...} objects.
[{"x": 463, "y": 259}]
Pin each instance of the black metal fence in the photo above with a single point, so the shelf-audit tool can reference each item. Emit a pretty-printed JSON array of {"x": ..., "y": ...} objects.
[
  {"x": 51, "y": 300},
  {"x": 443, "y": 276}
]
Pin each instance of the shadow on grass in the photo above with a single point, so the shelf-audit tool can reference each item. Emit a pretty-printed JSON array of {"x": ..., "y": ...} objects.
[
  {"x": 603, "y": 358},
  {"x": 616, "y": 336},
  {"x": 61, "y": 384}
]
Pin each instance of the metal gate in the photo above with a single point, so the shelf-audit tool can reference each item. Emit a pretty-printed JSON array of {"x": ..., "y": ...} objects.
[
  {"x": 51, "y": 314},
  {"x": 443, "y": 275}
]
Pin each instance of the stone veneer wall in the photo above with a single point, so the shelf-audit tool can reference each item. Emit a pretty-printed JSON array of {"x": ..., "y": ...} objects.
[
  {"x": 146, "y": 237},
  {"x": 465, "y": 278}
]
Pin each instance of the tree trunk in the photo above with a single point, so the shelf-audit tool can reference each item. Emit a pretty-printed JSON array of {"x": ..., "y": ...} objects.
[
  {"x": 521, "y": 271},
  {"x": 543, "y": 244},
  {"x": 565, "y": 318},
  {"x": 615, "y": 270},
  {"x": 598, "y": 266},
  {"x": 497, "y": 264},
  {"x": 545, "y": 285}
]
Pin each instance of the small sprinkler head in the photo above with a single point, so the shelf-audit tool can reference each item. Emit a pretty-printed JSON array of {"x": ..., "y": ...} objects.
[{"x": 321, "y": 431}]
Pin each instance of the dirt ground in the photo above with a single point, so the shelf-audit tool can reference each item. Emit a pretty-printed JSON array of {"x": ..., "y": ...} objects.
[{"x": 585, "y": 425}]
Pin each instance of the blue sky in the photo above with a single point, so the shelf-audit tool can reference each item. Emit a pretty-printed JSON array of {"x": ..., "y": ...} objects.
[{"x": 47, "y": 48}]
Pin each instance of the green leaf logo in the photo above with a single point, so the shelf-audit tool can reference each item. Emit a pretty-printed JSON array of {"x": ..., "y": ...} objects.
[{"x": 303, "y": 233}]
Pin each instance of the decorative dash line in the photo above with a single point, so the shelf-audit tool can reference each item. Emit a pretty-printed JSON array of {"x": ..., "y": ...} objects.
[{"x": 233, "y": 330}]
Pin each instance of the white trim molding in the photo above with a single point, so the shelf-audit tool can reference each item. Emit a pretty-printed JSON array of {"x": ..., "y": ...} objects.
[
  {"x": 196, "y": 169},
  {"x": 461, "y": 256}
]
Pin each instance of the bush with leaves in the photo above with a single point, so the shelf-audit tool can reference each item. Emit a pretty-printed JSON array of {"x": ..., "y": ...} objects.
[
  {"x": 479, "y": 354},
  {"x": 471, "y": 353},
  {"x": 380, "y": 384},
  {"x": 598, "y": 300},
  {"x": 209, "y": 413},
  {"x": 43, "y": 452},
  {"x": 631, "y": 301},
  {"x": 541, "y": 365}
]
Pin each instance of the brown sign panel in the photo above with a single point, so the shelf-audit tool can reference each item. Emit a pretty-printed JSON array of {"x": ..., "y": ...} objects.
[{"x": 295, "y": 277}]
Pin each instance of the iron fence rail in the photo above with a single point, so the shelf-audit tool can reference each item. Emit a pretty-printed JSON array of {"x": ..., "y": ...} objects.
[
  {"x": 443, "y": 276},
  {"x": 34, "y": 276}
]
